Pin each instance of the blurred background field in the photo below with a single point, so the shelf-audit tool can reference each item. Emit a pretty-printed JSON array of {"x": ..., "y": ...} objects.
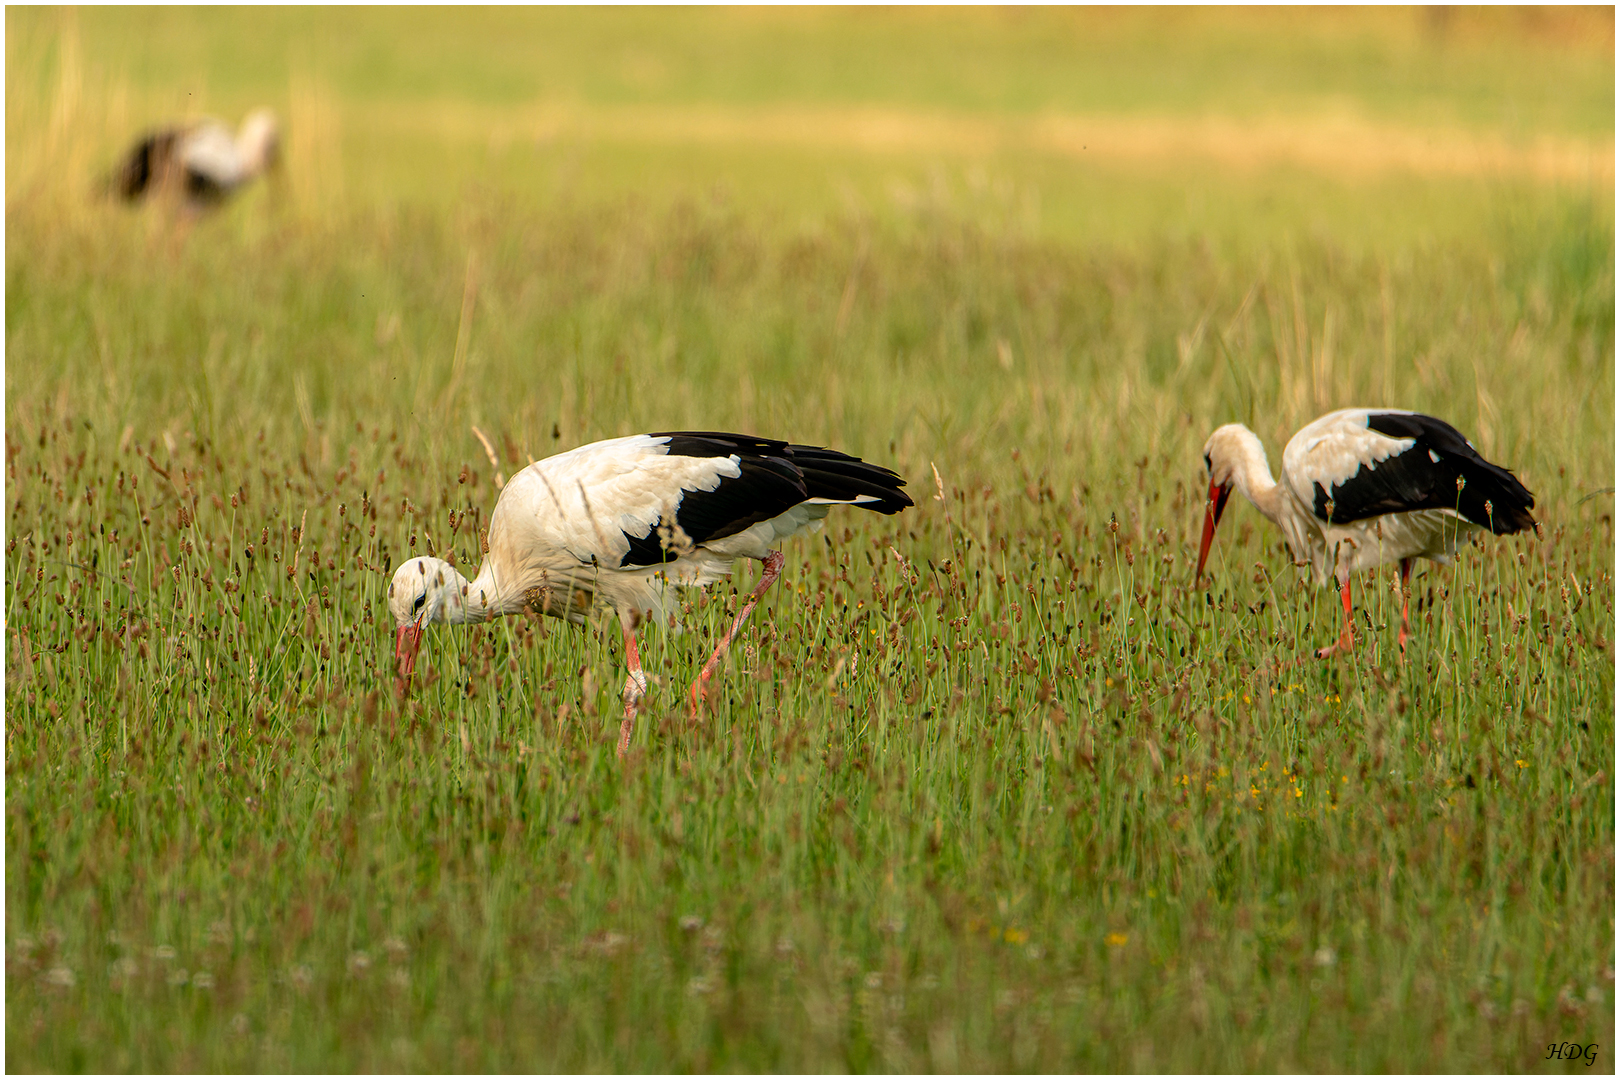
[{"x": 1013, "y": 796}]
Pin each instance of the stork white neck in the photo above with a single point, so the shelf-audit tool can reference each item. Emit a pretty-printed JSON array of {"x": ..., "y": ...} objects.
[
  {"x": 257, "y": 141},
  {"x": 1237, "y": 457}
]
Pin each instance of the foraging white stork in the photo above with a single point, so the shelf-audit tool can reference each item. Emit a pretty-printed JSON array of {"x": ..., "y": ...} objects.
[
  {"x": 202, "y": 162},
  {"x": 1364, "y": 487},
  {"x": 622, "y": 519}
]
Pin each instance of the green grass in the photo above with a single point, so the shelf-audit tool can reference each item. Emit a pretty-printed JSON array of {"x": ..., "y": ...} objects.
[{"x": 987, "y": 786}]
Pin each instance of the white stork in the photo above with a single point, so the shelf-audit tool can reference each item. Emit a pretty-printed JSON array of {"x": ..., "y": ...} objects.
[
  {"x": 202, "y": 162},
  {"x": 1365, "y": 487},
  {"x": 622, "y": 519}
]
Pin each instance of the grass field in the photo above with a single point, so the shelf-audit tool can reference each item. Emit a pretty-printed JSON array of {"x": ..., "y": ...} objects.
[{"x": 987, "y": 786}]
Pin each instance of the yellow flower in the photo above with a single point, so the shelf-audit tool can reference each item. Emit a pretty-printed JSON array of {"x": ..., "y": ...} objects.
[
  {"x": 1016, "y": 937},
  {"x": 1117, "y": 939},
  {"x": 1521, "y": 764}
]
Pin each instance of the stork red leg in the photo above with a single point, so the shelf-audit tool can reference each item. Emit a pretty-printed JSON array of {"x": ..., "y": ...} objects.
[
  {"x": 1406, "y": 596},
  {"x": 774, "y": 561},
  {"x": 635, "y": 685},
  {"x": 1347, "y": 640}
]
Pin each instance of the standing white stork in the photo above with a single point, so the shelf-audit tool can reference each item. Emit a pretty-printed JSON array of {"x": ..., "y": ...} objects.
[
  {"x": 622, "y": 519},
  {"x": 202, "y": 162},
  {"x": 1364, "y": 487}
]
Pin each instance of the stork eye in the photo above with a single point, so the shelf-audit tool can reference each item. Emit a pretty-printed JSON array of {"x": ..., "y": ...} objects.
[
  {"x": 420, "y": 600},
  {"x": 1208, "y": 464}
]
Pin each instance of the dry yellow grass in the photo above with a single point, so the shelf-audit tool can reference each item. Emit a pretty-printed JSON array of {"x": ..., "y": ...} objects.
[{"x": 1342, "y": 144}]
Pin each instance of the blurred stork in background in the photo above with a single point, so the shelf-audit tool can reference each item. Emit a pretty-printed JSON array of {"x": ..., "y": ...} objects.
[
  {"x": 1365, "y": 487},
  {"x": 201, "y": 164}
]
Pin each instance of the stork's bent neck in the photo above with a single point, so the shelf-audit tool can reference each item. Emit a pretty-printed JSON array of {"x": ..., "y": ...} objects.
[
  {"x": 483, "y": 598},
  {"x": 1245, "y": 460},
  {"x": 1254, "y": 480}
]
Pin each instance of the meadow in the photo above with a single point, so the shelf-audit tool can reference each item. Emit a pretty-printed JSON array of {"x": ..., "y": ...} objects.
[{"x": 990, "y": 785}]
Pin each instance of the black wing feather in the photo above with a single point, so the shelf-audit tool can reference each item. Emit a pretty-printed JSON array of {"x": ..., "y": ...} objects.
[
  {"x": 775, "y": 477},
  {"x": 829, "y": 474},
  {"x": 145, "y": 163},
  {"x": 1425, "y": 477}
]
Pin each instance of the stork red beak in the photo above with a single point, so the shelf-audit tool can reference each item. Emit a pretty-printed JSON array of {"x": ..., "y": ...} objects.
[
  {"x": 1218, "y": 494},
  {"x": 405, "y": 645}
]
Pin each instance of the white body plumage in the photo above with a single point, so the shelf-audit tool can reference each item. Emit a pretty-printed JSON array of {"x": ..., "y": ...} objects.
[{"x": 563, "y": 526}]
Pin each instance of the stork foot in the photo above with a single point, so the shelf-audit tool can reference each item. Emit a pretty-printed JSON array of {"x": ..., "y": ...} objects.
[
  {"x": 633, "y": 691},
  {"x": 700, "y": 691},
  {"x": 632, "y": 705},
  {"x": 635, "y": 687},
  {"x": 1347, "y": 639},
  {"x": 1346, "y": 644}
]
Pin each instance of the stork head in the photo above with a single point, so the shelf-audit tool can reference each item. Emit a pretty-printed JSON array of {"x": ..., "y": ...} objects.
[
  {"x": 424, "y": 589},
  {"x": 1227, "y": 454},
  {"x": 259, "y": 141}
]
